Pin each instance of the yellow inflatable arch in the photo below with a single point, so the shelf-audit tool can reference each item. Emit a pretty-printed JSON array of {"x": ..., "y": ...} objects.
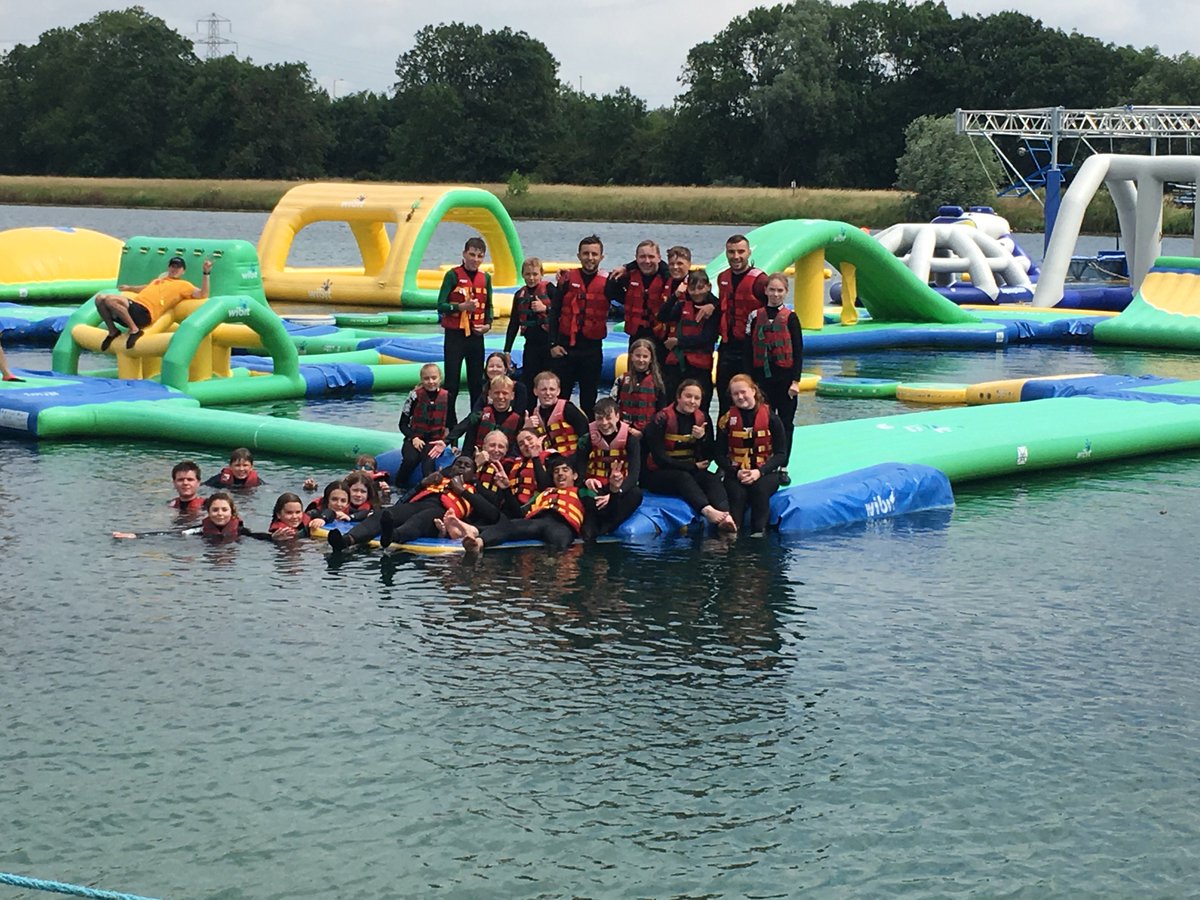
[{"x": 389, "y": 275}]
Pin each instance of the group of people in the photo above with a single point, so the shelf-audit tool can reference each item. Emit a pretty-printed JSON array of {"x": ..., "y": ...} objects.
[{"x": 530, "y": 464}]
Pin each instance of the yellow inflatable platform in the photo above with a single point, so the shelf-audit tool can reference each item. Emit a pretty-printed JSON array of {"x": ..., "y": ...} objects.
[{"x": 55, "y": 263}]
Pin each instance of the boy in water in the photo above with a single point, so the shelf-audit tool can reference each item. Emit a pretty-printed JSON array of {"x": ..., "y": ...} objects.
[
  {"x": 239, "y": 474},
  {"x": 186, "y": 478}
]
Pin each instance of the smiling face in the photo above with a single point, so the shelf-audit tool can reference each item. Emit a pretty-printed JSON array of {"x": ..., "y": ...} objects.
[
  {"x": 473, "y": 259},
  {"x": 241, "y": 468},
  {"x": 186, "y": 483},
  {"x": 547, "y": 391},
  {"x": 639, "y": 359},
  {"x": 339, "y": 499},
  {"x": 563, "y": 475},
  {"x": 220, "y": 512},
  {"x": 175, "y": 270},
  {"x": 495, "y": 367},
  {"x": 495, "y": 445},
  {"x": 737, "y": 253},
  {"x": 608, "y": 421},
  {"x": 529, "y": 444},
  {"x": 590, "y": 256},
  {"x": 777, "y": 291},
  {"x": 358, "y": 494},
  {"x": 742, "y": 394},
  {"x": 679, "y": 266},
  {"x": 688, "y": 400},
  {"x": 501, "y": 397},
  {"x": 648, "y": 259},
  {"x": 292, "y": 514},
  {"x": 431, "y": 379}
]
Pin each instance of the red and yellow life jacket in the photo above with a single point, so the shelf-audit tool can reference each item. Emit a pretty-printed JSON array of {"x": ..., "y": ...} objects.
[
  {"x": 559, "y": 435},
  {"x": 736, "y": 306},
  {"x": 522, "y": 476},
  {"x": 485, "y": 475},
  {"x": 584, "y": 310},
  {"x": 604, "y": 454},
  {"x": 429, "y": 415},
  {"x": 643, "y": 299},
  {"x": 687, "y": 329},
  {"x": 449, "y": 500},
  {"x": 525, "y": 316},
  {"x": 471, "y": 286},
  {"x": 637, "y": 399},
  {"x": 490, "y": 419},
  {"x": 564, "y": 501},
  {"x": 227, "y": 479},
  {"x": 771, "y": 341},
  {"x": 749, "y": 442},
  {"x": 679, "y": 444}
]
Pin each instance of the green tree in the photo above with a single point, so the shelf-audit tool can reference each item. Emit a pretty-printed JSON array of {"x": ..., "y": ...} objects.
[
  {"x": 939, "y": 167},
  {"x": 101, "y": 98},
  {"x": 477, "y": 97},
  {"x": 1168, "y": 81},
  {"x": 362, "y": 128}
]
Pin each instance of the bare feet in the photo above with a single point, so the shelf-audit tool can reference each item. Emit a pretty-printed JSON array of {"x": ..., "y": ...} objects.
[
  {"x": 473, "y": 544},
  {"x": 456, "y": 528},
  {"x": 440, "y": 525},
  {"x": 727, "y": 524}
]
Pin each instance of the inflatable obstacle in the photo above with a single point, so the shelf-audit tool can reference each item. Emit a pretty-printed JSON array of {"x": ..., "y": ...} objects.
[
  {"x": 390, "y": 274},
  {"x": 42, "y": 264},
  {"x": 1165, "y": 312}
]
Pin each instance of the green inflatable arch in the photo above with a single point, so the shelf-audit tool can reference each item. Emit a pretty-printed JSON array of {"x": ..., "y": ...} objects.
[{"x": 887, "y": 288}]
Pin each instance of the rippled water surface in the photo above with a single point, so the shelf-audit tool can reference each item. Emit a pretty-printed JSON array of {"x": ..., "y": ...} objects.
[{"x": 998, "y": 701}]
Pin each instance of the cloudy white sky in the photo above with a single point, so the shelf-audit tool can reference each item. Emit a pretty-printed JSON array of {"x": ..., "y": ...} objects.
[{"x": 351, "y": 45}]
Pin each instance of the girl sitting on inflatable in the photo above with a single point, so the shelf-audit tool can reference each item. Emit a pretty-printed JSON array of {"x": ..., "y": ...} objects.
[{"x": 751, "y": 451}]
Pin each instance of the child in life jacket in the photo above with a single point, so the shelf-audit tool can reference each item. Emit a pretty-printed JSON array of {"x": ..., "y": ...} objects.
[
  {"x": 288, "y": 519},
  {"x": 531, "y": 318},
  {"x": 220, "y": 522},
  {"x": 558, "y": 421},
  {"x": 239, "y": 474},
  {"x": 364, "y": 495},
  {"x": 527, "y": 473},
  {"x": 497, "y": 414},
  {"x": 185, "y": 476},
  {"x": 496, "y": 366},
  {"x": 639, "y": 391},
  {"x": 614, "y": 460},
  {"x": 332, "y": 506},
  {"x": 425, "y": 421},
  {"x": 369, "y": 466},
  {"x": 776, "y": 355},
  {"x": 691, "y": 337}
]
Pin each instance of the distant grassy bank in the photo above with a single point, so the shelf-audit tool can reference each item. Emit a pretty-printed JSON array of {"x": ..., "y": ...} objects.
[{"x": 697, "y": 205}]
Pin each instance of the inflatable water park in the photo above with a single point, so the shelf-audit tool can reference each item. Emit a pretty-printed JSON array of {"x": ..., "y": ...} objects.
[{"x": 184, "y": 380}]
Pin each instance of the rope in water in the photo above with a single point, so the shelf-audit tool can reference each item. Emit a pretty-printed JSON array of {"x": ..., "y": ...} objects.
[{"x": 61, "y": 887}]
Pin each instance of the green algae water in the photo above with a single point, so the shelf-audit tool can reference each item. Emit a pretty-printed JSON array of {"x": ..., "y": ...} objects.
[{"x": 998, "y": 700}]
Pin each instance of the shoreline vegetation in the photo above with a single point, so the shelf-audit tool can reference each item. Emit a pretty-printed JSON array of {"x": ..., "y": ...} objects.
[{"x": 608, "y": 203}]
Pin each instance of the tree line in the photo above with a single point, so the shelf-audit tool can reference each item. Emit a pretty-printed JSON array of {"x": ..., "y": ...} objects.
[{"x": 809, "y": 91}]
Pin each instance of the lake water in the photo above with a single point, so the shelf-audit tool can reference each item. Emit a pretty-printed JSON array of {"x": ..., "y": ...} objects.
[{"x": 998, "y": 701}]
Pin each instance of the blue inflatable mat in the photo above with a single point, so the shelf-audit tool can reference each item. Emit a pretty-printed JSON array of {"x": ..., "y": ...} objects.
[{"x": 1091, "y": 385}]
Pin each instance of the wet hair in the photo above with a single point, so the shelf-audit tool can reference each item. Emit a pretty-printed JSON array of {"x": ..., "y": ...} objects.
[
  {"x": 759, "y": 397},
  {"x": 283, "y": 500},
  {"x": 366, "y": 480},
  {"x": 221, "y": 495},
  {"x": 604, "y": 405},
  {"x": 778, "y": 276},
  {"x": 698, "y": 278},
  {"x": 546, "y": 376},
  {"x": 241, "y": 453},
  {"x": 687, "y": 383},
  {"x": 475, "y": 243},
  {"x": 555, "y": 461},
  {"x": 736, "y": 239},
  {"x": 185, "y": 466},
  {"x": 530, "y": 263},
  {"x": 674, "y": 252},
  {"x": 648, "y": 243},
  {"x": 655, "y": 369},
  {"x": 339, "y": 485},
  {"x": 366, "y": 461},
  {"x": 592, "y": 239},
  {"x": 501, "y": 381}
]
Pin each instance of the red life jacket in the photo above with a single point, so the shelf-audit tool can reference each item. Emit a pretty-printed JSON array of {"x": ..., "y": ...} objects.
[
  {"x": 678, "y": 443},
  {"x": 643, "y": 299},
  {"x": 365, "y": 506},
  {"x": 526, "y": 317},
  {"x": 664, "y": 330},
  {"x": 557, "y": 432},
  {"x": 276, "y": 525},
  {"x": 230, "y": 529},
  {"x": 523, "y": 477},
  {"x": 471, "y": 285},
  {"x": 687, "y": 328},
  {"x": 637, "y": 400},
  {"x": 736, "y": 306},
  {"x": 564, "y": 501},
  {"x": 192, "y": 505},
  {"x": 485, "y": 475},
  {"x": 603, "y": 454},
  {"x": 227, "y": 479},
  {"x": 771, "y": 341},
  {"x": 441, "y": 490},
  {"x": 490, "y": 419},
  {"x": 429, "y": 415},
  {"x": 584, "y": 310},
  {"x": 749, "y": 443}
]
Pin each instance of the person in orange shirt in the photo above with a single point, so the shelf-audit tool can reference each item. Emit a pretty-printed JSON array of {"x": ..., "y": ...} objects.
[{"x": 149, "y": 301}]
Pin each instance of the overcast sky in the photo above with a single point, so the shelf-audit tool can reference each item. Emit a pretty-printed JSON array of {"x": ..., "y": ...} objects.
[{"x": 351, "y": 45}]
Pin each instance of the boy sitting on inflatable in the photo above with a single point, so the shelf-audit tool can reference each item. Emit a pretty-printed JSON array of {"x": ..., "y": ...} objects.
[{"x": 149, "y": 301}]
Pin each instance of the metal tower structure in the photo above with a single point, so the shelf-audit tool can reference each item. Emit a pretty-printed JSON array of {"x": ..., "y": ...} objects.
[
  {"x": 214, "y": 44},
  {"x": 1041, "y": 132}
]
